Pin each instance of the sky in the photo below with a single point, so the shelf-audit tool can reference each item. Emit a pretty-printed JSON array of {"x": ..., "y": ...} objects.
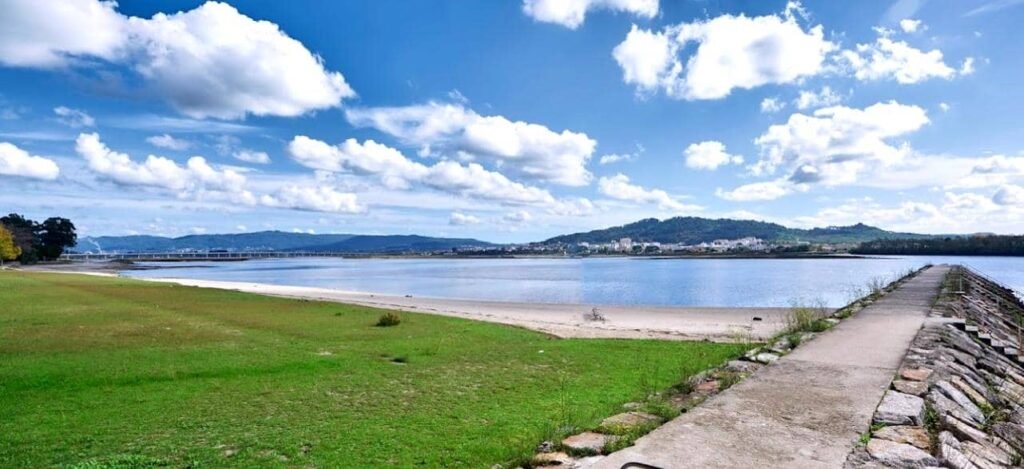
[{"x": 510, "y": 121}]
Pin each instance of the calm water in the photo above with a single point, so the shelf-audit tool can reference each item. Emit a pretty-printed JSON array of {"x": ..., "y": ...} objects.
[{"x": 677, "y": 282}]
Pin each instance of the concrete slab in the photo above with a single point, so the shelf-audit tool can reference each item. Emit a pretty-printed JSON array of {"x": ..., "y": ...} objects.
[{"x": 809, "y": 408}]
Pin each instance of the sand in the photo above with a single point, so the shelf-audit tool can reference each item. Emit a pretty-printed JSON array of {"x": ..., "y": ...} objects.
[{"x": 561, "y": 320}]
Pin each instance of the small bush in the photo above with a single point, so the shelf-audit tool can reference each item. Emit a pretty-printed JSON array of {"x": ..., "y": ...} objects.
[
  {"x": 806, "y": 318},
  {"x": 389, "y": 320},
  {"x": 594, "y": 316}
]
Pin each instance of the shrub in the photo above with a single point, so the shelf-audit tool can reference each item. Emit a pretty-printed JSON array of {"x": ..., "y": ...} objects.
[{"x": 389, "y": 319}]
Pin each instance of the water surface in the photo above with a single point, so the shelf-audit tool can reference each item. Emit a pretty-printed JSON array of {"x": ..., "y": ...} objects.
[{"x": 623, "y": 281}]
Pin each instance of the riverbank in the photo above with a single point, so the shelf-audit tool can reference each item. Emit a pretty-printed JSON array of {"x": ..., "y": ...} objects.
[
  {"x": 560, "y": 320},
  {"x": 104, "y": 372}
]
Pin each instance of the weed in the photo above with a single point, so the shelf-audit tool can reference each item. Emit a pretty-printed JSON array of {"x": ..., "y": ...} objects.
[
  {"x": 726, "y": 379},
  {"x": 594, "y": 316},
  {"x": 128, "y": 461},
  {"x": 389, "y": 319},
  {"x": 804, "y": 318}
]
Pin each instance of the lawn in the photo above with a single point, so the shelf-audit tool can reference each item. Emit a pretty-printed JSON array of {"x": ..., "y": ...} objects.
[{"x": 96, "y": 371}]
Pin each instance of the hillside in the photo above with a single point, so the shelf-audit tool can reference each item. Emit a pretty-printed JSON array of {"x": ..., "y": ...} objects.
[
  {"x": 694, "y": 230},
  {"x": 272, "y": 241}
]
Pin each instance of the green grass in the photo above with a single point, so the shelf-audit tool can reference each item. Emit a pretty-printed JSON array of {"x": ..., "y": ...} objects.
[{"x": 101, "y": 372}]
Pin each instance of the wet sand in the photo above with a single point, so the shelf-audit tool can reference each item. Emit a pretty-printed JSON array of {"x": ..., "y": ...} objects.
[{"x": 561, "y": 320}]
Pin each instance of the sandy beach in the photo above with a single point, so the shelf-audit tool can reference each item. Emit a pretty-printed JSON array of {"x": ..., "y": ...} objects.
[{"x": 561, "y": 320}]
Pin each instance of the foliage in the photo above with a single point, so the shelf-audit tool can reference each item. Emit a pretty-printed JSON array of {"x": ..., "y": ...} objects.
[
  {"x": 806, "y": 318},
  {"x": 694, "y": 230},
  {"x": 988, "y": 245},
  {"x": 46, "y": 240},
  {"x": 389, "y": 319},
  {"x": 594, "y": 316},
  {"x": 93, "y": 367},
  {"x": 9, "y": 251}
]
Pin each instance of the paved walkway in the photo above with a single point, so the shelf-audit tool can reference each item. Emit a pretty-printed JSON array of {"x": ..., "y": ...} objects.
[{"x": 808, "y": 409}]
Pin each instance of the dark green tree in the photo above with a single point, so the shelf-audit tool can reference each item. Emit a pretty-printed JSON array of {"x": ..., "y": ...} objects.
[
  {"x": 54, "y": 235},
  {"x": 25, "y": 235}
]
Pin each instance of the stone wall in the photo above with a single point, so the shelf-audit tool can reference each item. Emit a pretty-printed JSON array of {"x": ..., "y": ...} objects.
[{"x": 958, "y": 399}]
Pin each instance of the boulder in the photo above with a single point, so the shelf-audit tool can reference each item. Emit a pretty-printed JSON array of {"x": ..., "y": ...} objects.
[
  {"x": 962, "y": 400},
  {"x": 553, "y": 459},
  {"x": 629, "y": 420},
  {"x": 766, "y": 357},
  {"x": 900, "y": 409},
  {"x": 914, "y": 436},
  {"x": 915, "y": 374},
  {"x": 899, "y": 454},
  {"x": 916, "y": 388},
  {"x": 588, "y": 441}
]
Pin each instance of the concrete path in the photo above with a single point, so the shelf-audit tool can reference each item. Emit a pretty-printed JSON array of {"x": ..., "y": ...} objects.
[{"x": 808, "y": 409}]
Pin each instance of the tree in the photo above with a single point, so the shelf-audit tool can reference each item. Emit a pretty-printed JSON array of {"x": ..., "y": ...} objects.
[
  {"x": 55, "y": 234},
  {"x": 9, "y": 251},
  {"x": 24, "y": 232}
]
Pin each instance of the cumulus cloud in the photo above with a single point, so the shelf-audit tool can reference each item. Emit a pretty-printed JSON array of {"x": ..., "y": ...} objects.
[
  {"x": 197, "y": 179},
  {"x": 17, "y": 162},
  {"x": 313, "y": 198},
  {"x": 156, "y": 171},
  {"x": 709, "y": 155},
  {"x": 168, "y": 142},
  {"x": 619, "y": 187},
  {"x": 73, "y": 118},
  {"x": 572, "y": 13},
  {"x": 612, "y": 158},
  {"x": 251, "y": 156},
  {"x": 772, "y": 104},
  {"x": 888, "y": 59},
  {"x": 461, "y": 219},
  {"x": 810, "y": 99},
  {"x": 729, "y": 52},
  {"x": 396, "y": 171},
  {"x": 909, "y": 25},
  {"x": 200, "y": 61},
  {"x": 54, "y": 34},
  {"x": 517, "y": 217},
  {"x": 768, "y": 190},
  {"x": 530, "y": 150}
]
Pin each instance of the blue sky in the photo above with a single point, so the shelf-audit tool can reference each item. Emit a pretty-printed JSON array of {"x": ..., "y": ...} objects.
[{"x": 510, "y": 121}]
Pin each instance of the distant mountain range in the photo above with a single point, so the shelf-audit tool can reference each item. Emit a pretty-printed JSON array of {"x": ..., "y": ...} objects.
[
  {"x": 276, "y": 241},
  {"x": 687, "y": 230},
  {"x": 695, "y": 230}
]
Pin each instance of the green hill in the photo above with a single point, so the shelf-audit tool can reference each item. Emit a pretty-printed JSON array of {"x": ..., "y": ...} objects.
[{"x": 694, "y": 230}]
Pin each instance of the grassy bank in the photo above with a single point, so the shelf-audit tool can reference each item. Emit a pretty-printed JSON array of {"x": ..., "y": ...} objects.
[{"x": 100, "y": 369}]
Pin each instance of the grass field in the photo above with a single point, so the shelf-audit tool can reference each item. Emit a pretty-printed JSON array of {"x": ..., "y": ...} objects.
[{"x": 99, "y": 371}]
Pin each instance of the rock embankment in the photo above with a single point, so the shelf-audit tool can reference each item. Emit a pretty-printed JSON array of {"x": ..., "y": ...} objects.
[{"x": 958, "y": 399}]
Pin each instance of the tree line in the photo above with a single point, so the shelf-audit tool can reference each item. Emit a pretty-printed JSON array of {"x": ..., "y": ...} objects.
[
  {"x": 990, "y": 245},
  {"x": 28, "y": 241}
]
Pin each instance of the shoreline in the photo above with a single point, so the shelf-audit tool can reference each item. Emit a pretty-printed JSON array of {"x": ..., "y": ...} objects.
[{"x": 717, "y": 324}]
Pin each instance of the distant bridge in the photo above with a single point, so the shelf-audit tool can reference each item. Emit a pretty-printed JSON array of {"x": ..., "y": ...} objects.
[{"x": 203, "y": 256}]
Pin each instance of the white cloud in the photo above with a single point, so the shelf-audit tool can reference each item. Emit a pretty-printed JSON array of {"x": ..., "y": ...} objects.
[
  {"x": 612, "y": 158},
  {"x": 909, "y": 25},
  {"x": 887, "y": 59},
  {"x": 52, "y": 34},
  {"x": 461, "y": 219},
  {"x": 530, "y": 150},
  {"x": 517, "y": 217},
  {"x": 1009, "y": 194},
  {"x": 967, "y": 67},
  {"x": 572, "y": 13},
  {"x": 318, "y": 199},
  {"x": 17, "y": 162},
  {"x": 757, "y": 191},
  {"x": 709, "y": 155},
  {"x": 772, "y": 104},
  {"x": 156, "y": 171},
  {"x": 251, "y": 156},
  {"x": 731, "y": 52},
  {"x": 168, "y": 142},
  {"x": 73, "y": 118},
  {"x": 810, "y": 99},
  {"x": 834, "y": 144},
  {"x": 944, "y": 107},
  {"x": 396, "y": 171},
  {"x": 619, "y": 187},
  {"x": 200, "y": 61}
]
